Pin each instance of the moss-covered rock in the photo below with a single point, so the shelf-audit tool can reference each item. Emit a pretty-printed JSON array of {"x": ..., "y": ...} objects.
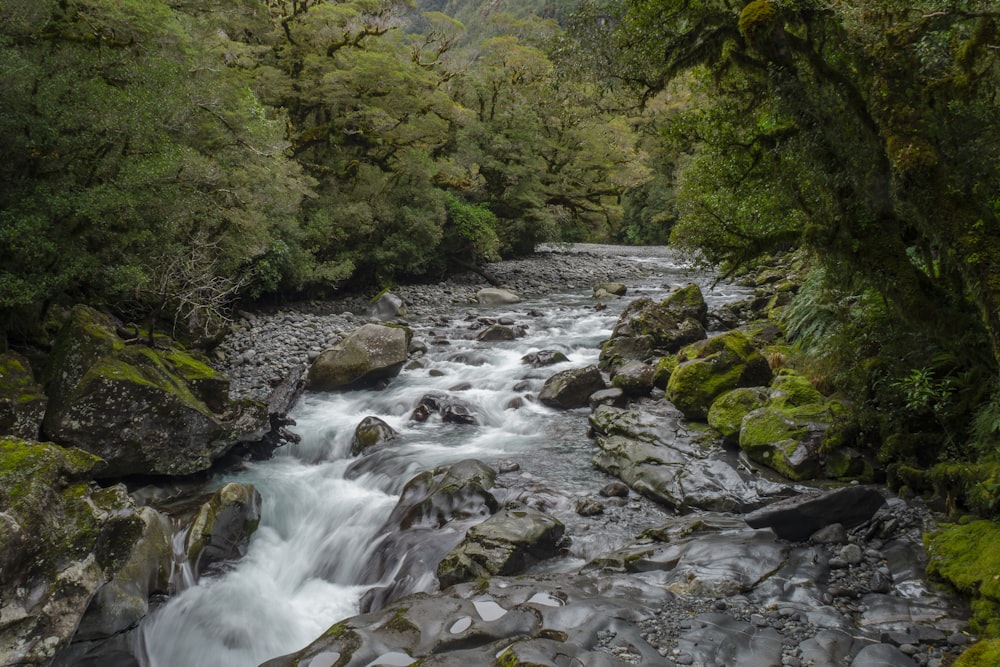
[
  {"x": 22, "y": 399},
  {"x": 62, "y": 539},
  {"x": 664, "y": 368},
  {"x": 222, "y": 527},
  {"x": 709, "y": 368},
  {"x": 728, "y": 410},
  {"x": 972, "y": 486},
  {"x": 968, "y": 558},
  {"x": 142, "y": 410},
  {"x": 780, "y": 440},
  {"x": 982, "y": 654},
  {"x": 688, "y": 302},
  {"x": 371, "y": 432}
]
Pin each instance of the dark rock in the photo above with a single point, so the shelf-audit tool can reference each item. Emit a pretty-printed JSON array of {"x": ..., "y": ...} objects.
[
  {"x": 222, "y": 528},
  {"x": 615, "y": 490},
  {"x": 881, "y": 655},
  {"x": 497, "y": 332},
  {"x": 798, "y": 518},
  {"x": 634, "y": 379},
  {"x": 572, "y": 388},
  {"x": 688, "y": 303},
  {"x": 612, "y": 396},
  {"x": 450, "y": 409},
  {"x": 835, "y": 533},
  {"x": 544, "y": 358},
  {"x": 387, "y": 306},
  {"x": 589, "y": 507},
  {"x": 371, "y": 432},
  {"x": 505, "y": 543}
]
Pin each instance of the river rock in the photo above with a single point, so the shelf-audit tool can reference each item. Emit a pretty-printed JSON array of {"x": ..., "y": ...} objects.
[
  {"x": 120, "y": 604},
  {"x": 387, "y": 306},
  {"x": 799, "y": 517},
  {"x": 544, "y": 358},
  {"x": 496, "y": 332},
  {"x": 495, "y": 296},
  {"x": 22, "y": 399},
  {"x": 365, "y": 356},
  {"x": 669, "y": 328},
  {"x": 712, "y": 367},
  {"x": 634, "y": 379},
  {"x": 688, "y": 302},
  {"x": 651, "y": 451},
  {"x": 612, "y": 289},
  {"x": 571, "y": 388},
  {"x": 142, "y": 410},
  {"x": 728, "y": 410},
  {"x": 450, "y": 409},
  {"x": 222, "y": 527},
  {"x": 881, "y": 655},
  {"x": 371, "y": 432},
  {"x": 62, "y": 540},
  {"x": 505, "y": 543}
]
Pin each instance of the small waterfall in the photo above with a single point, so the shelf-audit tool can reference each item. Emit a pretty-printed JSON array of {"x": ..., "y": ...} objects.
[{"x": 322, "y": 510}]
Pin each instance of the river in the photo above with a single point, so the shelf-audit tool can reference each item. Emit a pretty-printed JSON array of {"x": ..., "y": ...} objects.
[{"x": 310, "y": 562}]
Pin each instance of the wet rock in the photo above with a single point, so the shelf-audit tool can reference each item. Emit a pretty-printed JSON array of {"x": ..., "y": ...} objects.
[
  {"x": 572, "y": 388},
  {"x": 142, "y": 410},
  {"x": 371, "y": 432},
  {"x": 613, "y": 396},
  {"x": 615, "y": 490},
  {"x": 835, "y": 533},
  {"x": 720, "y": 639},
  {"x": 222, "y": 527},
  {"x": 634, "y": 379},
  {"x": 728, "y": 410},
  {"x": 449, "y": 408},
  {"x": 712, "y": 367},
  {"x": 544, "y": 358},
  {"x": 62, "y": 539},
  {"x": 494, "y": 296},
  {"x": 881, "y": 655},
  {"x": 618, "y": 351},
  {"x": 651, "y": 452},
  {"x": 496, "y": 332},
  {"x": 648, "y": 326},
  {"x": 458, "y": 491},
  {"x": 387, "y": 306},
  {"x": 614, "y": 289},
  {"x": 799, "y": 517},
  {"x": 22, "y": 399},
  {"x": 367, "y": 355},
  {"x": 505, "y": 543},
  {"x": 688, "y": 303},
  {"x": 588, "y": 507}
]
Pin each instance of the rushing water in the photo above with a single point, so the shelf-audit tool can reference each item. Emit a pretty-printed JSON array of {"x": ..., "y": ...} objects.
[{"x": 321, "y": 518}]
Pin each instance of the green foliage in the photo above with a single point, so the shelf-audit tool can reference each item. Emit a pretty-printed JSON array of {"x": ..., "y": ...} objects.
[
  {"x": 470, "y": 233},
  {"x": 966, "y": 557}
]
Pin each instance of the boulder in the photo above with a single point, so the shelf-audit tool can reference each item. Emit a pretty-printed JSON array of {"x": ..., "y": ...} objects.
[
  {"x": 634, "y": 379},
  {"x": 496, "y": 332},
  {"x": 799, "y": 517},
  {"x": 652, "y": 452},
  {"x": 544, "y": 358},
  {"x": 371, "y": 432},
  {"x": 709, "y": 368},
  {"x": 728, "y": 410},
  {"x": 572, "y": 388},
  {"x": 142, "y": 410},
  {"x": 688, "y": 303},
  {"x": 22, "y": 399},
  {"x": 494, "y": 296},
  {"x": 120, "y": 604},
  {"x": 62, "y": 540},
  {"x": 621, "y": 350},
  {"x": 505, "y": 543},
  {"x": 222, "y": 527},
  {"x": 668, "y": 328},
  {"x": 613, "y": 289},
  {"x": 458, "y": 491},
  {"x": 387, "y": 306},
  {"x": 788, "y": 441},
  {"x": 367, "y": 355}
]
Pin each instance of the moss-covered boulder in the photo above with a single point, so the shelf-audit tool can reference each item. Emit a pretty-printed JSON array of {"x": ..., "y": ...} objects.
[
  {"x": 222, "y": 527},
  {"x": 371, "y": 432},
  {"x": 669, "y": 328},
  {"x": 728, "y": 410},
  {"x": 981, "y": 654},
  {"x": 709, "y": 368},
  {"x": 968, "y": 558},
  {"x": 786, "y": 440},
  {"x": 61, "y": 538},
  {"x": 22, "y": 399},
  {"x": 142, "y": 410},
  {"x": 688, "y": 302},
  {"x": 664, "y": 368},
  {"x": 572, "y": 388},
  {"x": 364, "y": 357},
  {"x": 505, "y": 543}
]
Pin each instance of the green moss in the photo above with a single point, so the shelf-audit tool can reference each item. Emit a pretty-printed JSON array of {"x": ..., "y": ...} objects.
[
  {"x": 981, "y": 654},
  {"x": 337, "y": 630},
  {"x": 791, "y": 389},
  {"x": 188, "y": 367},
  {"x": 757, "y": 18},
  {"x": 400, "y": 623},
  {"x": 968, "y": 558},
  {"x": 663, "y": 370},
  {"x": 728, "y": 410}
]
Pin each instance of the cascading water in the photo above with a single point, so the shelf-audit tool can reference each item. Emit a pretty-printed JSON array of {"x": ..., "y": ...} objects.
[{"x": 310, "y": 562}]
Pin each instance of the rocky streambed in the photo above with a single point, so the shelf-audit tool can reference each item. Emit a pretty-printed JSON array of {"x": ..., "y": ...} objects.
[{"x": 536, "y": 486}]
